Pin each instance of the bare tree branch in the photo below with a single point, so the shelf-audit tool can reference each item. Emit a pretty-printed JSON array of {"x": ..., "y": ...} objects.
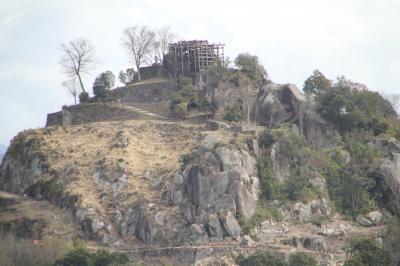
[
  {"x": 72, "y": 87},
  {"x": 394, "y": 100},
  {"x": 78, "y": 57},
  {"x": 139, "y": 43},
  {"x": 165, "y": 36}
]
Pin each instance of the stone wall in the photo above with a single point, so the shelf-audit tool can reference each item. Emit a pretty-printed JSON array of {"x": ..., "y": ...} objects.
[
  {"x": 151, "y": 92},
  {"x": 150, "y": 72},
  {"x": 88, "y": 113},
  {"x": 116, "y": 105},
  {"x": 54, "y": 119}
]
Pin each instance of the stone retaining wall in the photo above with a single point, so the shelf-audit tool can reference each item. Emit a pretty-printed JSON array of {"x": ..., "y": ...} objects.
[{"x": 89, "y": 113}]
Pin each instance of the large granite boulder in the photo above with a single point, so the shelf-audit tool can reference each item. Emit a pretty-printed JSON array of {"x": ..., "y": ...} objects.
[
  {"x": 390, "y": 168},
  {"x": 371, "y": 219},
  {"x": 300, "y": 212},
  {"x": 214, "y": 227},
  {"x": 199, "y": 235},
  {"x": 277, "y": 103},
  {"x": 316, "y": 243},
  {"x": 217, "y": 182},
  {"x": 222, "y": 178},
  {"x": 231, "y": 226}
]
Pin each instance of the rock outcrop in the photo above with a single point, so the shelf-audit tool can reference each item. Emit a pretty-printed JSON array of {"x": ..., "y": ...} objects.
[
  {"x": 371, "y": 219},
  {"x": 317, "y": 130},
  {"x": 390, "y": 168},
  {"x": 217, "y": 182},
  {"x": 32, "y": 219},
  {"x": 188, "y": 190},
  {"x": 166, "y": 206},
  {"x": 22, "y": 165},
  {"x": 107, "y": 186},
  {"x": 278, "y": 103}
]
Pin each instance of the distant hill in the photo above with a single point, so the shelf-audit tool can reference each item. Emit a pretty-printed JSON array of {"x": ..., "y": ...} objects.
[{"x": 3, "y": 150}]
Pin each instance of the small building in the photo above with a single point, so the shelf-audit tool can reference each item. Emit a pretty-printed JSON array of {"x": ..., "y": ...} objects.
[{"x": 191, "y": 57}]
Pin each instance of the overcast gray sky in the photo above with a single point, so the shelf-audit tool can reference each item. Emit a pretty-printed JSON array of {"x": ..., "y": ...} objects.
[{"x": 357, "y": 38}]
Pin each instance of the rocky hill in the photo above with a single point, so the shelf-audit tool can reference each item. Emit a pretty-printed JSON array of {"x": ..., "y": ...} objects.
[{"x": 294, "y": 178}]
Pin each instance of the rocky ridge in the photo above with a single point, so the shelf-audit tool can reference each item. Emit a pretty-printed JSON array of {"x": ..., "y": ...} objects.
[{"x": 169, "y": 187}]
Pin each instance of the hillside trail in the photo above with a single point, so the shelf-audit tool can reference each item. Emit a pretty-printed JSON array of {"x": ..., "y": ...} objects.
[
  {"x": 134, "y": 108},
  {"x": 280, "y": 237},
  {"x": 336, "y": 234}
]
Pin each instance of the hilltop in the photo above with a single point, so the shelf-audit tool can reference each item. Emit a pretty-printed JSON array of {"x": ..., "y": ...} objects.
[{"x": 247, "y": 166}]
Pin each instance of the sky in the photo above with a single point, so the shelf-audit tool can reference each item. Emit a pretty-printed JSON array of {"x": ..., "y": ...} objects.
[{"x": 356, "y": 38}]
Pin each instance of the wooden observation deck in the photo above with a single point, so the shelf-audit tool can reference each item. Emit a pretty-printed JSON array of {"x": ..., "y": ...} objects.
[{"x": 192, "y": 57}]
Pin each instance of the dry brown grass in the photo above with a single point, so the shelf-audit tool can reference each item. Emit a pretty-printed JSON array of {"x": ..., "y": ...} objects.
[
  {"x": 76, "y": 153},
  {"x": 33, "y": 219},
  {"x": 23, "y": 252}
]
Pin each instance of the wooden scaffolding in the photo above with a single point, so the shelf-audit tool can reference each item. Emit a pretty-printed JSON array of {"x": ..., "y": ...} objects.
[{"x": 192, "y": 57}]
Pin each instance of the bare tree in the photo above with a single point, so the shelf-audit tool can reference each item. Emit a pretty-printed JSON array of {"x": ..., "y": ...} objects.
[
  {"x": 394, "y": 100},
  {"x": 78, "y": 58},
  {"x": 72, "y": 87},
  {"x": 156, "y": 52},
  {"x": 139, "y": 43},
  {"x": 165, "y": 36}
]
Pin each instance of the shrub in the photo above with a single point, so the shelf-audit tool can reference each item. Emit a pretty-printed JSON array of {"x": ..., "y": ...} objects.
[
  {"x": 394, "y": 129},
  {"x": 391, "y": 239},
  {"x": 105, "y": 258},
  {"x": 367, "y": 252},
  {"x": 204, "y": 105},
  {"x": 187, "y": 98},
  {"x": 261, "y": 214},
  {"x": 298, "y": 188},
  {"x": 250, "y": 66},
  {"x": 262, "y": 259},
  {"x": 103, "y": 83},
  {"x": 82, "y": 257},
  {"x": 347, "y": 187},
  {"x": 301, "y": 259},
  {"x": 356, "y": 187},
  {"x": 84, "y": 97},
  {"x": 127, "y": 76},
  {"x": 233, "y": 113},
  {"x": 266, "y": 139},
  {"x": 296, "y": 150},
  {"x": 269, "y": 188},
  {"x": 352, "y": 109},
  {"x": 316, "y": 83},
  {"x": 187, "y": 158},
  {"x": 78, "y": 256},
  {"x": 361, "y": 153},
  {"x": 292, "y": 146},
  {"x": 180, "y": 109}
]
